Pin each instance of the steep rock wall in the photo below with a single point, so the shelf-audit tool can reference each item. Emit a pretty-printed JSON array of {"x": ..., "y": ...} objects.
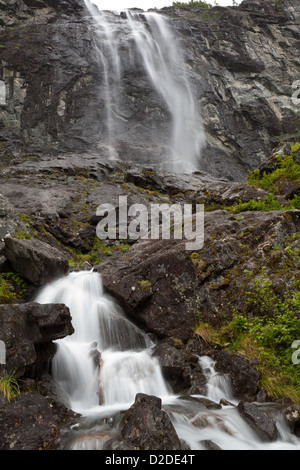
[{"x": 241, "y": 60}]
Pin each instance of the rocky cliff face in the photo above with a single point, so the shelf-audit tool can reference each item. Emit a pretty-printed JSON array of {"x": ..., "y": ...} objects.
[{"x": 241, "y": 61}]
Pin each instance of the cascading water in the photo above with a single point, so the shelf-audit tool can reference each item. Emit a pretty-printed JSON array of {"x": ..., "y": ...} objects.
[
  {"x": 129, "y": 368},
  {"x": 100, "y": 326},
  {"x": 218, "y": 385},
  {"x": 126, "y": 44}
]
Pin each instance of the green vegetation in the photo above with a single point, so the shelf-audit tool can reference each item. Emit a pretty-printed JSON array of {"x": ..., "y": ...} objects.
[
  {"x": 12, "y": 287},
  {"x": 145, "y": 284},
  {"x": 193, "y": 3},
  {"x": 267, "y": 204},
  {"x": 265, "y": 329},
  {"x": 9, "y": 386},
  {"x": 21, "y": 234},
  {"x": 287, "y": 168},
  {"x": 94, "y": 256}
]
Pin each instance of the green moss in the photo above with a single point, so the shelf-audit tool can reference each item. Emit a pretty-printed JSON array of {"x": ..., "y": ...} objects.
[
  {"x": 22, "y": 235},
  {"x": 12, "y": 287},
  {"x": 295, "y": 147},
  {"x": 145, "y": 285},
  {"x": 95, "y": 255}
]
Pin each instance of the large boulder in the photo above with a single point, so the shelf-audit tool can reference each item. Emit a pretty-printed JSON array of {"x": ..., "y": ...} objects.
[
  {"x": 28, "y": 330},
  {"x": 35, "y": 260},
  {"x": 244, "y": 377},
  {"x": 180, "y": 366},
  {"x": 146, "y": 427},
  {"x": 259, "y": 420}
]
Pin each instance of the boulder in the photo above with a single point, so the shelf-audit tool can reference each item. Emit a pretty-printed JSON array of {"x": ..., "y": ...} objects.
[
  {"x": 27, "y": 423},
  {"x": 244, "y": 377},
  {"x": 259, "y": 420},
  {"x": 292, "y": 417},
  {"x": 28, "y": 330},
  {"x": 35, "y": 260},
  {"x": 180, "y": 367},
  {"x": 147, "y": 427}
]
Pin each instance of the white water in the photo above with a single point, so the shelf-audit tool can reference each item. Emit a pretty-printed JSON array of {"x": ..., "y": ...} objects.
[
  {"x": 100, "y": 324},
  {"x": 128, "y": 369},
  {"x": 147, "y": 38}
]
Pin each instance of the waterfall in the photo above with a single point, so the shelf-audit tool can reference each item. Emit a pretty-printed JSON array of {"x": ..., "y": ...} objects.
[
  {"x": 101, "y": 327},
  {"x": 218, "y": 385},
  {"x": 103, "y": 331},
  {"x": 142, "y": 62}
]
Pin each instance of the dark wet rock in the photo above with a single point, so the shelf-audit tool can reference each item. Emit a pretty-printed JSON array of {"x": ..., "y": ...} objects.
[
  {"x": 259, "y": 420},
  {"x": 33, "y": 420},
  {"x": 202, "y": 402},
  {"x": 35, "y": 260},
  {"x": 244, "y": 377},
  {"x": 292, "y": 417},
  {"x": 180, "y": 366},
  {"x": 147, "y": 427},
  {"x": 28, "y": 331},
  {"x": 210, "y": 445},
  {"x": 27, "y": 423}
]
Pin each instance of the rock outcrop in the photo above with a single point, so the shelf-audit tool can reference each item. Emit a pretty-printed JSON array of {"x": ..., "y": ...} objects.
[
  {"x": 35, "y": 260},
  {"x": 28, "y": 331},
  {"x": 181, "y": 287}
]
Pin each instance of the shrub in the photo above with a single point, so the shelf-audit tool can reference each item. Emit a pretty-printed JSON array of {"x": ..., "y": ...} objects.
[
  {"x": 267, "y": 327},
  {"x": 287, "y": 168},
  {"x": 9, "y": 386},
  {"x": 267, "y": 204}
]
